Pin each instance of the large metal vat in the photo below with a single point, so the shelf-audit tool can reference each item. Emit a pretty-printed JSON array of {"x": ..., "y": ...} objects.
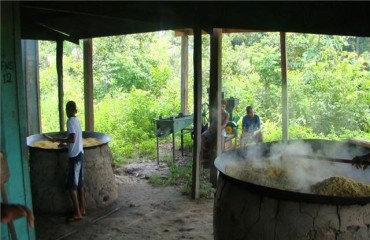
[
  {"x": 248, "y": 210},
  {"x": 48, "y": 173}
]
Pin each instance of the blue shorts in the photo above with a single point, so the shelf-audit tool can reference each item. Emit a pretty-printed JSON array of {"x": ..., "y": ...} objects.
[{"x": 75, "y": 178}]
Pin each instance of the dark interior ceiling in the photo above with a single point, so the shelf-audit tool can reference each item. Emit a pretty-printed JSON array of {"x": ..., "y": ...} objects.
[{"x": 74, "y": 20}]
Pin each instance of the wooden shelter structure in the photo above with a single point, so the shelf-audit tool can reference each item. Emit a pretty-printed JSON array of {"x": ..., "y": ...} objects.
[{"x": 82, "y": 20}]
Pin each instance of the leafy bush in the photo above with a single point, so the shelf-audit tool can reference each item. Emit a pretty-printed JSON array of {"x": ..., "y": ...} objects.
[
  {"x": 129, "y": 122},
  {"x": 181, "y": 175},
  {"x": 157, "y": 180}
]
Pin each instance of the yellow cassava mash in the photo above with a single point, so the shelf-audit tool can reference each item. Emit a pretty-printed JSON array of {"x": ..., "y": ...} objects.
[
  {"x": 87, "y": 142},
  {"x": 283, "y": 178},
  {"x": 267, "y": 176},
  {"x": 46, "y": 144},
  {"x": 341, "y": 187}
]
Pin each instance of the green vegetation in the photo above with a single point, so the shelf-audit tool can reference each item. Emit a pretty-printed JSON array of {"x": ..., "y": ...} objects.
[
  {"x": 137, "y": 79},
  {"x": 180, "y": 175}
]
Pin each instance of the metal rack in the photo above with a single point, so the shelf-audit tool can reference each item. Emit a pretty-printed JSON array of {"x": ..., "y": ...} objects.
[{"x": 166, "y": 126}]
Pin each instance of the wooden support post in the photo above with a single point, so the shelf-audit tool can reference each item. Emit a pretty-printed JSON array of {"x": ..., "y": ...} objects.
[
  {"x": 173, "y": 145},
  {"x": 197, "y": 58},
  {"x": 60, "y": 84},
  {"x": 30, "y": 63},
  {"x": 157, "y": 152},
  {"x": 182, "y": 142},
  {"x": 284, "y": 85},
  {"x": 88, "y": 84},
  {"x": 215, "y": 96},
  {"x": 184, "y": 73}
]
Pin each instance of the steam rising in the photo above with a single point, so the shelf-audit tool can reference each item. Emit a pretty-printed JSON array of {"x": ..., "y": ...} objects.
[{"x": 300, "y": 160}]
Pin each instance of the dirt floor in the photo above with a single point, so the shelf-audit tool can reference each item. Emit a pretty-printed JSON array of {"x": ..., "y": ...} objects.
[{"x": 142, "y": 211}]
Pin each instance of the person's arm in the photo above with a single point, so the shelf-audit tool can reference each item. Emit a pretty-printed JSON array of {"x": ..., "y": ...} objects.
[
  {"x": 69, "y": 139},
  {"x": 258, "y": 126},
  {"x": 244, "y": 127},
  {"x": 10, "y": 212},
  {"x": 361, "y": 161},
  {"x": 256, "y": 132},
  {"x": 225, "y": 119}
]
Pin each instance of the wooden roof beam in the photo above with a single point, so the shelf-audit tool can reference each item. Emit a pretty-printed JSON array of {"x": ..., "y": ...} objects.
[{"x": 189, "y": 31}]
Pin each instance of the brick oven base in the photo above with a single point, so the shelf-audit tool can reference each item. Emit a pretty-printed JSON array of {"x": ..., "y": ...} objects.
[
  {"x": 241, "y": 214},
  {"x": 48, "y": 173}
]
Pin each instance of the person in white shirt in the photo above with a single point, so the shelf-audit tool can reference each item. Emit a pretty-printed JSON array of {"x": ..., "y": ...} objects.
[{"x": 76, "y": 162}]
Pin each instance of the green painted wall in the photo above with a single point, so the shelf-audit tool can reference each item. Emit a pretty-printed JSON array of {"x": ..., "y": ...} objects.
[{"x": 13, "y": 123}]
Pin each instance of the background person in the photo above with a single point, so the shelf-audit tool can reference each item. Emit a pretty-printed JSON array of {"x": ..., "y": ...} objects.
[
  {"x": 251, "y": 128},
  {"x": 224, "y": 121},
  {"x": 10, "y": 212},
  {"x": 361, "y": 161},
  {"x": 75, "y": 154}
]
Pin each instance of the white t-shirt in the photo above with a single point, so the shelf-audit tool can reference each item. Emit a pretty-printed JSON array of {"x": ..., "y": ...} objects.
[
  {"x": 223, "y": 132},
  {"x": 74, "y": 126}
]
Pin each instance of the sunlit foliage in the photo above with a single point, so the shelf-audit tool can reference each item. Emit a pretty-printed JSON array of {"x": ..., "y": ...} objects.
[{"x": 137, "y": 79}]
